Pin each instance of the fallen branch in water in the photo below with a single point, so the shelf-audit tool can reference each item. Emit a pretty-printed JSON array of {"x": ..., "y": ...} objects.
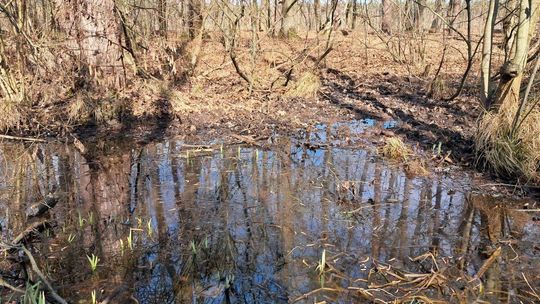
[
  {"x": 22, "y": 138},
  {"x": 9, "y": 286},
  {"x": 34, "y": 226},
  {"x": 42, "y": 277},
  {"x": 487, "y": 264}
]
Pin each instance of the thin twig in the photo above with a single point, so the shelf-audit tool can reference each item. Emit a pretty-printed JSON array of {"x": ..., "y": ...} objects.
[
  {"x": 42, "y": 277},
  {"x": 22, "y": 138}
]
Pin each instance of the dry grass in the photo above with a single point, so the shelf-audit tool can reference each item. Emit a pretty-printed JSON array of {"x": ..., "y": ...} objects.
[
  {"x": 11, "y": 116},
  {"x": 395, "y": 148},
  {"x": 517, "y": 155},
  {"x": 306, "y": 86}
]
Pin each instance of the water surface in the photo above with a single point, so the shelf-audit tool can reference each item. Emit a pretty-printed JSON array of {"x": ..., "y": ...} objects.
[{"x": 239, "y": 224}]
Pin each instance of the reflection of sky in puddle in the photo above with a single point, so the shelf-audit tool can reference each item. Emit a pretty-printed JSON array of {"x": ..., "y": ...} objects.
[
  {"x": 259, "y": 217},
  {"x": 352, "y": 128}
]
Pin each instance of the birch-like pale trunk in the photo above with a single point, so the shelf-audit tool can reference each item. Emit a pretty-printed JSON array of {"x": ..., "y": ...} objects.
[
  {"x": 512, "y": 71},
  {"x": 286, "y": 18},
  {"x": 487, "y": 47}
]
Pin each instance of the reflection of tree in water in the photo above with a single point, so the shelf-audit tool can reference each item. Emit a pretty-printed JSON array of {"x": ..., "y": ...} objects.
[{"x": 248, "y": 225}]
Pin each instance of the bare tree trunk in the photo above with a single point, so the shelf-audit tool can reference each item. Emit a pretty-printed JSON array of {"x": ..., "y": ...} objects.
[
  {"x": 194, "y": 18},
  {"x": 454, "y": 9},
  {"x": 97, "y": 28},
  {"x": 317, "y": 13},
  {"x": 354, "y": 13},
  {"x": 385, "y": 16},
  {"x": 268, "y": 14},
  {"x": 347, "y": 13},
  {"x": 487, "y": 84},
  {"x": 162, "y": 15},
  {"x": 512, "y": 71},
  {"x": 510, "y": 15},
  {"x": 286, "y": 20},
  {"x": 436, "y": 24}
]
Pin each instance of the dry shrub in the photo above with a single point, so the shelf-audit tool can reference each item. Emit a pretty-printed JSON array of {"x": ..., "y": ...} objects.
[
  {"x": 510, "y": 155},
  {"x": 395, "y": 148},
  {"x": 306, "y": 86}
]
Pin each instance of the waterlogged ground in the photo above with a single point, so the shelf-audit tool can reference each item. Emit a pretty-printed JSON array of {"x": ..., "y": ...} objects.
[{"x": 307, "y": 220}]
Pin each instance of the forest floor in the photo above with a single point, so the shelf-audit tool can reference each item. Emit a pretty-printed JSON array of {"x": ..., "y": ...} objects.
[
  {"x": 405, "y": 81},
  {"x": 356, "y": 82}
]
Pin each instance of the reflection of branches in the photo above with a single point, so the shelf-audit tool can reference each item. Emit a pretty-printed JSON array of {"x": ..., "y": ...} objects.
[{"x": 35, "y": 269}]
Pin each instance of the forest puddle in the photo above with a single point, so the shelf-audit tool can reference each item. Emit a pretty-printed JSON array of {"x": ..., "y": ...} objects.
[{"x": 235, "y": 224}]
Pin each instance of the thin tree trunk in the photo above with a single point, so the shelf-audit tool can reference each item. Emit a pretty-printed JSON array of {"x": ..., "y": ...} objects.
[
  {"x": 436, "y": 24},
  {"x": 385, "y": 16},
  {"x": 317, "y": 13},
  {"x": 286, "y": 20},
  {"x": 194, "y": 18},
  {"x": 162, "y": 15},
  {"x": 487, "y": 84},
  {"x": 354, "y": 13},
  {"x": 510, "y": 15},
  {"x": 512, "y": 70}
]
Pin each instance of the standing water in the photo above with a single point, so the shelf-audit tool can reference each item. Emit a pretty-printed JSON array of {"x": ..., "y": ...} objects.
[{"x": 166, "y": 223}]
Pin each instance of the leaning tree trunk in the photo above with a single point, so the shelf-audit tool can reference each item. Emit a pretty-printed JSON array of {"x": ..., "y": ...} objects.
[{"x": 512, "y": 70}]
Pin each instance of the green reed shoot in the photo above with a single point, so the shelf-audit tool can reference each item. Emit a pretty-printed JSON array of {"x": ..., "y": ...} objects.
[
  {"x": 193, "y": 247},
  {"x": 149, "y": 227},
  {"x": 41, "y": 299},
  {"x": 130, "y": 239},
  {"x": 71, "y": 238},
  {"x": 122, "y": 247},
  {"x": 91, "y": 218},
  {"x": 81, "y": 219},
  {"x": 321, "y": 267},
  {"x": 94, "y": 298},
  {"x": 94, "y": 260},
  {"x": 322, "y": 263}
]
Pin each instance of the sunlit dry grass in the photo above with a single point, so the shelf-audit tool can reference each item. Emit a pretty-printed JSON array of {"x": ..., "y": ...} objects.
[
  {"x": 395, "y": 148},
  {"x": 306, "y": 86},
  {"x": 507, "y": 154}
]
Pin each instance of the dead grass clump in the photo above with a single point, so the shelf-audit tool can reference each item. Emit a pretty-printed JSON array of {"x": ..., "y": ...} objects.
[
  {"x": 510, "y": 155},
  {"x": 437, "y": 88},
  {"x": 306, "y": 86},
  {"x": 11, "y": 115},
  {"x": 84, "y": 109},
  {"x": 395, "y": 148},
  {"x": 80, "y": 109}
]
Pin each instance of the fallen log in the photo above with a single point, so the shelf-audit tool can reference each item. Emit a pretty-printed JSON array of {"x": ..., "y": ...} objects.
[
  {"x": 39, "y": 208},
  {"x": 35, "y": 226}
]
